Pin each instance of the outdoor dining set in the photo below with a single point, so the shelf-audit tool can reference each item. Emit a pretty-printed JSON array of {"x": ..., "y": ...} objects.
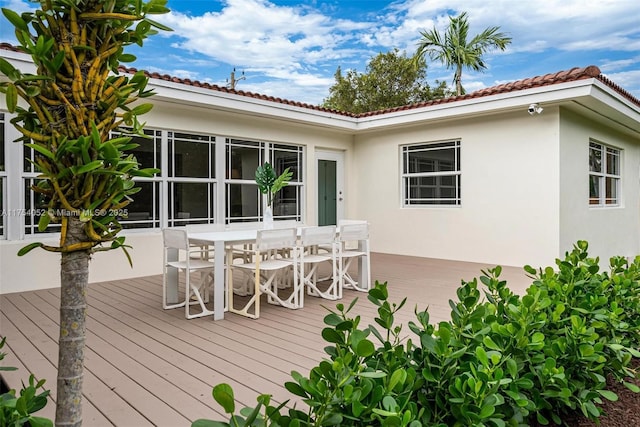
[{"x": 228, "y": 268}]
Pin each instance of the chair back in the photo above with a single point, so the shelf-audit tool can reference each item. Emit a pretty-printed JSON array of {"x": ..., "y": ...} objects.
[
  {"x": 195, "y": 228},
  {"x": 175, "y": 238},
  {"x": 276, "y": 238},
  {"x": 249, "y": 225},
  {"x": 287, "y": 223},
  {"x": 318, "y": 235},
  {"x": 354, "y": 231}
]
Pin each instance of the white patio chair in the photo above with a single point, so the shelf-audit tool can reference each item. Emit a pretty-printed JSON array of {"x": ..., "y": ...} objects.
[
  {"x": 267, "y": 268},
  {"x": 353, "y": 243},
  {"x": 207, "y": 250},
  {"x": 310, "y": 239},
  {"x": 183, "y": 257}
]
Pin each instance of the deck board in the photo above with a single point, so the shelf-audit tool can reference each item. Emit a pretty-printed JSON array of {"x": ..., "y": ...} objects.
[{"x": 146, "y": 366}]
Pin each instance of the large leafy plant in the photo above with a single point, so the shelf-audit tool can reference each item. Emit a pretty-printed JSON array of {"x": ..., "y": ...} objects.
[
  {"x": 501, "y": 360},
  {"x": 66, "y": 113},
  {"x": 269, "y": 183},
  {"x": 18, "y": 409}
]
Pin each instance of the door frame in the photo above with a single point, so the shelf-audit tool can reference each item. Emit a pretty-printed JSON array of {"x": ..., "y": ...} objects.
[{"x": 338, "y": 157}]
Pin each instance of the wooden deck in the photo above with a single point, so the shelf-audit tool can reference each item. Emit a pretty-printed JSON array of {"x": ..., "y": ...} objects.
[{"x": 147, "y": 366}]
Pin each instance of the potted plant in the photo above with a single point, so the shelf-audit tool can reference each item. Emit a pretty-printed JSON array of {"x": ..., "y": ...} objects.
[{"x": 269, "y": 183}]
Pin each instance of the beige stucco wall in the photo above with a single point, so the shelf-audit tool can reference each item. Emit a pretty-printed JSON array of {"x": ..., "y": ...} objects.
[
  {"x": 609, "y": 231},
  {"x": 510, "y": 174},
  {"x": 39, "y": 269}
]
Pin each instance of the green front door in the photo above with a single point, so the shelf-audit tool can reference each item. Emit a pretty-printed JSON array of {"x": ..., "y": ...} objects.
[{"x": 327, "y": 192}]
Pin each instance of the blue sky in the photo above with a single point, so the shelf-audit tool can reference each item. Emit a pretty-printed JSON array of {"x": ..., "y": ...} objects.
[{"x": 291, "y": 49}]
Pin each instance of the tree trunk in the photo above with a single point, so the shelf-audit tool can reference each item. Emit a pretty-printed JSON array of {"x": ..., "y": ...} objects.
[
  {"x": 458, "y": 78},
  {"x": 74, "y": 275}
]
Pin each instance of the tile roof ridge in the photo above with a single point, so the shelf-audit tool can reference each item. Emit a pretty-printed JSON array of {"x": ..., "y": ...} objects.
[{"x": 573, "y": 74}]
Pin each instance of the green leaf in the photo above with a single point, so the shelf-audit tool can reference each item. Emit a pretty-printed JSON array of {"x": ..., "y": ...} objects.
[
  {"x": 490, "y": 343},
  {"x": 330, "y": 335},
  {"x": 40, "y": 422},
  {"x": 609, "y": 395},
  {"x": 11, "y": 94},
  {"x": 15, "y": 19},
  {"x": 43, "y": 222},
  {"x": 223, "y": 394},
  {"x": 40, "y": 149},
  {"x": 634, "y": 388},
  {"x": 88, "y": 167},
  {"x": 481, "y": 354},
  {"x": 208, "y": 423},
  {"x": 26, "y": 249},
  {"x": 142, "y": 109},
  {"x": 158, "y": 25},
  {"x": 295, "y": 388},
  {"x": 7, "y": 69},
  {"x": 487, "y": 411},
  {"x": 365, "y": 348},
  {"x": 127, "y": 57}
]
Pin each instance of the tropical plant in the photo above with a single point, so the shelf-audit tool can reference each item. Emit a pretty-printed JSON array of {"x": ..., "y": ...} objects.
[
  {"x": 70, "y": 108},
  {"x": 454, "y": 49},
  {"x": 390, "y": 80},
  {"x": 18, "y": 410},
  {"x": 269, "y": 183},
  {"x": 500, "y": 361}
]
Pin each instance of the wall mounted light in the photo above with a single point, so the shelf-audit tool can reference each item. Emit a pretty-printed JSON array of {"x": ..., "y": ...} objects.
[{"x": 534, "y": 109}]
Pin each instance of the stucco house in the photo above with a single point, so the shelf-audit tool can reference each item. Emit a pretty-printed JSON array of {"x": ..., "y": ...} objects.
[{"x": 513, "y": 174}]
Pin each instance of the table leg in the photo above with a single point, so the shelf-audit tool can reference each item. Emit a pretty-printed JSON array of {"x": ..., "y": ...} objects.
[
  {"x": 364, "y": 267},
  {"x": 219, "y": 280}
]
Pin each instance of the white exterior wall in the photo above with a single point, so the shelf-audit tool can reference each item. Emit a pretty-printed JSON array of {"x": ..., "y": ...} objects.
[
  {"x": 510, "y": 175},
  {"x": 40, "y": 269},
  {"x": 608, "y": 230}
]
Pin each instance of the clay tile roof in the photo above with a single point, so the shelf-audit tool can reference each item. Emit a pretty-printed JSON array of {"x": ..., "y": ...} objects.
[{"x": 574, "y": 74}]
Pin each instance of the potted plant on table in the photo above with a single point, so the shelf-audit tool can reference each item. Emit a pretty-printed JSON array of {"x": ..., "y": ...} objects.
[{"x": 269, "y": 183}]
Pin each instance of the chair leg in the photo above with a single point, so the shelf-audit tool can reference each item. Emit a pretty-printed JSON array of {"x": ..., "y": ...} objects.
[
  {"x": 166, "y": 305},
  {"x": 195, "y": 290},
  {"x": 310, "y": 279}
]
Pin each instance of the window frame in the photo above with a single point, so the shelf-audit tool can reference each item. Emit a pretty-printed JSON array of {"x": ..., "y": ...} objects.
[
  {"x": 604, "y": 175},
  {"x": 454, "y": 170}
]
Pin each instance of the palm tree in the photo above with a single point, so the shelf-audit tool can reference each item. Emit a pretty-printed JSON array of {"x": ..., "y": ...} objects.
[
  {"x": 453, "y": 49},
  {"x": 70, "y": 108}
]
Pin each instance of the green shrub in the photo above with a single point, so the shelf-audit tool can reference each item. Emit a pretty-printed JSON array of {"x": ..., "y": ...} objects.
[
  {"x": 17, "y": 411},
  {"x": 500, "y": 360}
]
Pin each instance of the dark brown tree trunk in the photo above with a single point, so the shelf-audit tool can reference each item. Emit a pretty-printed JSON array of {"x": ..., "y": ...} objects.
[{"x": 74, "y": 275}]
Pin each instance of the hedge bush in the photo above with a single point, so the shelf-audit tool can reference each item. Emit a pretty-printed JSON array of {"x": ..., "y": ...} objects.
[{"x": 501, "y": 359}]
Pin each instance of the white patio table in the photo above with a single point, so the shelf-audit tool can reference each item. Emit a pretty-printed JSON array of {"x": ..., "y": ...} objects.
[{"x": 220, "y": 239}]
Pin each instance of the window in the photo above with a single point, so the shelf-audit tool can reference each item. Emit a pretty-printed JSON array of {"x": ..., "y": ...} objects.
[
  {"x": 191, "y": 176},
  {"x": 35, "y": 203},
  {"x": 144, "y": 210},
  {"x": 243, "y": 196},
  {"x": 244, "y": 201},
  {"x": 197, "y": 183},
  {"x": 431, "y": 174},
  {"x": 288, "y": 201},
  {"x": 604, "y": 175}
]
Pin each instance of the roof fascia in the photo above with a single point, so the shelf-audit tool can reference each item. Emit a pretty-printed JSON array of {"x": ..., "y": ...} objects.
[
  {"x": 178, "y": 93},
  {"x": 490, "y": 104}
]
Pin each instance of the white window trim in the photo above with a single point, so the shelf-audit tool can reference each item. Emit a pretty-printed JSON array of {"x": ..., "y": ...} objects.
[
  {"x": 603, "y": 175},
  {"x": 405, "y": 176}
]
